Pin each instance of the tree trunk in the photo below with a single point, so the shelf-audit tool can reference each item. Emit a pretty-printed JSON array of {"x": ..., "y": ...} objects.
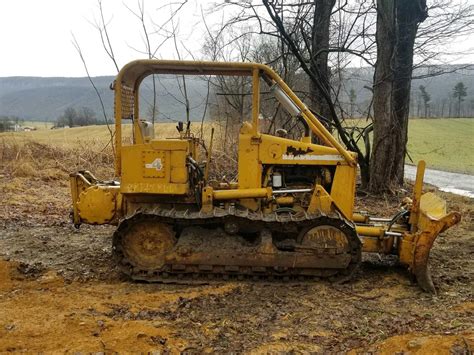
[
  {"x": 319, "y": 46},
  {"x": 397, "y": 24}
]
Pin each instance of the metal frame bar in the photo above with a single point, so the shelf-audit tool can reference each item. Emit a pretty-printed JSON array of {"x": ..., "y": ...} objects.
[{"x": 134, "y": 72}]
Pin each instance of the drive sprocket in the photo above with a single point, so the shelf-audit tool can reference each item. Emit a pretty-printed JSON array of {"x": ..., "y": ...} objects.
[{"x": 145, "y": 242}]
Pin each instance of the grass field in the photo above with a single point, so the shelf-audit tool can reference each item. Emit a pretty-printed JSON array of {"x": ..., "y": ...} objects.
[
  {"x": 70, "y": 137},
  {"x": 38, "y": 124},
  {"x": 445, "y": 144}
]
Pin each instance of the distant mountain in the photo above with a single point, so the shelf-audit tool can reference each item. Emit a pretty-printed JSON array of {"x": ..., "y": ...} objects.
[
  {"x": 47, "y": 98},
  {"x": 35, "y": 98},
  {"x": 439, "y": 88}
]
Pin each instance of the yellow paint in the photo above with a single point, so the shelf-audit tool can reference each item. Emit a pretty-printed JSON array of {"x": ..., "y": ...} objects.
[
  {"x": 250, "y": 167},
  {"x": 285, "y": 200},
  {"x": 343, "y": 188},
  {"x": 243, "y": 193},
  {"x": 432, "y": 205},
  {"x": 277, "y": 150},
  {"x": 154, "y": 171},
  {"x": 320, "y": 201},
  {"x": 97, "y": 204},
  {"x": 417, "y": 191},
  {"x": 94, "y": 203},
  {"x": 360, "y": 218},
  {"x": 255, "y": 99},
  {"x": 158, "y": 167},
  {"x": 370, "y": 231}
]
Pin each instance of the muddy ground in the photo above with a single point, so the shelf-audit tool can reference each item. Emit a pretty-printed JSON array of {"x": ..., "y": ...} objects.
[{"x": 59, "y": 290}]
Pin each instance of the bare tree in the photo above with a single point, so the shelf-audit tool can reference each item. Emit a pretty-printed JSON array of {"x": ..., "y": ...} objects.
[
  {"x": 102, "y": 27},
  {"x": 298, "y": 25},
  {"x": 319, "y": 47},
  {"x": 426, "y": 99},
  {"x": 230, "y": 104},
  {"x": 99, "y": 96},
  {"x": 352, "y": 100},
  {"x": 301, "y": 48},
  {"x": 140, "y": 15},
  {"x": 448, "y": 22}
]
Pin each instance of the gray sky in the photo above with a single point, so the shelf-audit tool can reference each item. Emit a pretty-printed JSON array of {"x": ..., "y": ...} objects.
[{"x": 36, "y": 35}]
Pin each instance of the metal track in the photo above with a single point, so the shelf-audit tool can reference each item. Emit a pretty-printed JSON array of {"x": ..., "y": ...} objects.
[{"x": 179, "y": 273}]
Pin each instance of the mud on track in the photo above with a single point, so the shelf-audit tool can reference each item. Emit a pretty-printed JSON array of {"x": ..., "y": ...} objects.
[{"x": 59, "y": 290}]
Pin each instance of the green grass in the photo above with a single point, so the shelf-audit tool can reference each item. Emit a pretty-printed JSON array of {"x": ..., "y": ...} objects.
[{"x": 445, "y": 144}]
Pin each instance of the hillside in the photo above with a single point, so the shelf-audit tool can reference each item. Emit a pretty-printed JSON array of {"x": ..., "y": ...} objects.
[
  {"x": 47, "y": 98},
  {"x": 439, "y": 88},
  {"x": 35, "y": 98}
]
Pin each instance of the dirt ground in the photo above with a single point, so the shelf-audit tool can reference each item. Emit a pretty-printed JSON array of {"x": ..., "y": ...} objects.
[{"x": 60, "y": 291}]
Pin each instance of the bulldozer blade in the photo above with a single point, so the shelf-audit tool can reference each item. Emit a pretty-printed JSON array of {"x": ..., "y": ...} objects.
[{"x": 431, "y": 221}]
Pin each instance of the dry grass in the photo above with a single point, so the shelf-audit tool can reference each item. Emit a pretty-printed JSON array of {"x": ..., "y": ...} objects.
[
  {"x": 48, "y": 162},
  {"x": 34, "y": 178},
  {"x": 53, "y": 154}
]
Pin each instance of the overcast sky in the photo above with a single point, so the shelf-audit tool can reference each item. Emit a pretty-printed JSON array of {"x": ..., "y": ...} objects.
[{"x": 36, "y": 35}]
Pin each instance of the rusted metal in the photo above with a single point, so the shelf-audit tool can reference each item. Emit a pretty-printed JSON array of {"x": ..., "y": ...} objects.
[
  {"x": 431, "y": 221},
  {"x": 212, "y": 251},
  {"x": 303, "y": 227},
  {"x": 417, "y": 191}
]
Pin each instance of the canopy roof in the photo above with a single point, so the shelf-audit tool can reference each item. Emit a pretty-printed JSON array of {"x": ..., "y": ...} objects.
[{"x": 134, "y": 72}]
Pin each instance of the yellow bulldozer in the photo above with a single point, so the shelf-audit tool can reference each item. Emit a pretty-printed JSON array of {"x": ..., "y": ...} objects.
[{"x": 289, "y": 215}]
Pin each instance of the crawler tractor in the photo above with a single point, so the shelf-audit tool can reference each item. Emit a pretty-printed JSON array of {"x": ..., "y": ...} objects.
[{"x": 289, "y": 215}]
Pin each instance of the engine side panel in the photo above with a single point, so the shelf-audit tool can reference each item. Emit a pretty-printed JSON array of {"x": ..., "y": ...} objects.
[{"x": 158, "y": 167}]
